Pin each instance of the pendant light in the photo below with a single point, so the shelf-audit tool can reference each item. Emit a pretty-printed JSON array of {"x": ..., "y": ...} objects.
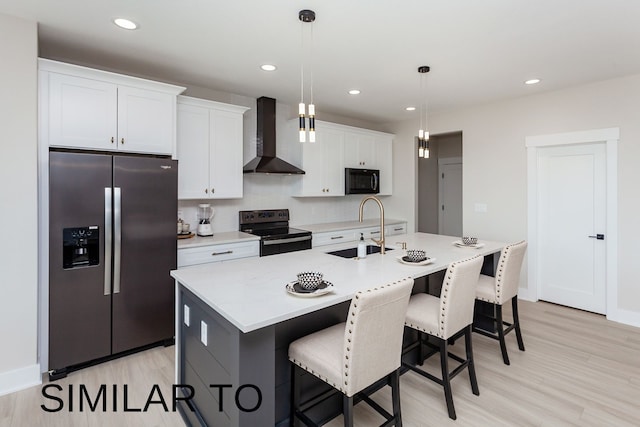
[
  {"x": 306, "y": 16},
  {"x": 423, "y": 132}
]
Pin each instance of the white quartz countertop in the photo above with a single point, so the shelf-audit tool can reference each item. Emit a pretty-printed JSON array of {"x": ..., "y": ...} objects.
[
  {"x": 250, "y": 293},
  {"x": 347, "y": 225},
  {"x": 216, "y": 239}
]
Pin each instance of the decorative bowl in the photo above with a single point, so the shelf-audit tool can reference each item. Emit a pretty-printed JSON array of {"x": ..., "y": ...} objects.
[
  {"x": 469, "y": 240},
  {"x": 310, "y": 280},
  {"x": 416, "y": 255}
]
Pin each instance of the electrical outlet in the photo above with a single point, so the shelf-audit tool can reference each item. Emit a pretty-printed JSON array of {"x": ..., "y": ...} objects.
[
  {"x": 203, "y": 332},
  {"x": 480, "y": 207},
  {"x": 187, "y": 315}
]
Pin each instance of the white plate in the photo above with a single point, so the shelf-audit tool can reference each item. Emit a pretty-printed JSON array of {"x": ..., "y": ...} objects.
[
  {"x": 459, "y": 244},
  {"x": 425, "y": 262},
  {"x": 320, "y": 291}
]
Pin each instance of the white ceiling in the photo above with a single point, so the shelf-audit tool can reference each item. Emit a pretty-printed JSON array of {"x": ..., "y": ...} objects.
[{"x": 479, "y": 51}]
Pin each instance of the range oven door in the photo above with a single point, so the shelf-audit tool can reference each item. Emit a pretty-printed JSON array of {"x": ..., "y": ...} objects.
[
  {"x": 361, "y": 181},
  {"x": 280, "y": 245}
]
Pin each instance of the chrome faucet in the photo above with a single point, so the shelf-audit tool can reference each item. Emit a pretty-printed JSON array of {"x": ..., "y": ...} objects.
[{"x": 381, "y": 241}]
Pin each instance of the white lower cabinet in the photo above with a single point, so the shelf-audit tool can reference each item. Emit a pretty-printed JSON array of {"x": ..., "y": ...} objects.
[
  {"x": 390, "y": 230},
  {"x": 352, "y": 235},
  {"x": 217, "y": 253},
  {"x": 332, "y": 237}
]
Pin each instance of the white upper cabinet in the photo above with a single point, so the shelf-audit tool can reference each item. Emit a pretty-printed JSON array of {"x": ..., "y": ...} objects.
[
  {"x": 209, "y": 149},
  {"x": 92, "y": 109},
  {"x": 360, "y": 150},
  {"x": 322, "y": 162},
  {"x": 339, "y": 147}
]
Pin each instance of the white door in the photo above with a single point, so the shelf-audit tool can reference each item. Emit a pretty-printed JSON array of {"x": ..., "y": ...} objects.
[
  {"x": 450, "y": 199},
  {"x": 571, "y": 214},
  {"x": 193, "y": 147}
]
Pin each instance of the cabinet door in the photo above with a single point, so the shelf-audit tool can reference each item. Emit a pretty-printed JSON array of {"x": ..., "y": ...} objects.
[
  {"x": 82, "y": 112},
  {"x": 226, "y": 155},
  {"x": 359, "y": 151},
  {"x": 193, "y": 152},
  {"x": 384, "y": 162},
  {"x": 145, "y": 121},
  {"x": 323, "y": 163}
]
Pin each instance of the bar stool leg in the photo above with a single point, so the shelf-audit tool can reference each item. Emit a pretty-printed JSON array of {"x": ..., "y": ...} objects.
[
  {"x": 516, "y": 322},
  {"x": 471, "y": 366},
  {"x": 500, "y": 327},
  {"x": 395, "y": 396},
  {"x": 347, "y": 410},
  {"x": 446, "y": 380},
  {"x": 295, "y": 396}
]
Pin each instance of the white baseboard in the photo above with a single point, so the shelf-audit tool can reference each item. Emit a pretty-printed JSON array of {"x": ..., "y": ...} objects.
[
  {"x": 19, "y": 379},
  {"x": 524, "y": 294},
  {"x": 628, "y": 317}
]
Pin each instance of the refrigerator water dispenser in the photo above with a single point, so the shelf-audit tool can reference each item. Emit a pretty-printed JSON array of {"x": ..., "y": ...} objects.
[{"x": 80, "y": 246}]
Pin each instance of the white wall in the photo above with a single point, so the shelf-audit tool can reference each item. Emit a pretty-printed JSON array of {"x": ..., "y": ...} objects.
[
  {"x": 19, "y": 196},
  {"x": 495, "y": 167}
]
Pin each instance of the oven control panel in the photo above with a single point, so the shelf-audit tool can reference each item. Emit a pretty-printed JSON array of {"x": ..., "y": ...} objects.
[{"x": 269, "y": 215}]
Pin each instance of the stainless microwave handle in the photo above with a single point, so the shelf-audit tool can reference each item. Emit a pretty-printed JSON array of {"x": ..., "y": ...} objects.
[
  {"x": 291, "y": 240},
  {"x": 375, "y": 181}
]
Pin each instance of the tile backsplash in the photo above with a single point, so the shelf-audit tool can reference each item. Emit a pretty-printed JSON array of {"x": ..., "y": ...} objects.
[{"x": 273, "y": 192}]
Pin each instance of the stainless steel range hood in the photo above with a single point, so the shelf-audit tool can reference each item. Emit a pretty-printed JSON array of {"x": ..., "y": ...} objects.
[{"x": 266, "y": 160}]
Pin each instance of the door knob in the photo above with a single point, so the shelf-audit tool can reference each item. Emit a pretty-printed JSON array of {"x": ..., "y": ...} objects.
[{"x": 597, "y": 236}]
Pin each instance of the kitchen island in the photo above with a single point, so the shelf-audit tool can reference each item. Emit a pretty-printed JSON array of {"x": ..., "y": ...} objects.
[{"x": 235, "y": 320}]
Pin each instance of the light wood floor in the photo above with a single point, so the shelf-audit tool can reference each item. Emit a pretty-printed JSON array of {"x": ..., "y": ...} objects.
[{"x": 578, "y": 369}]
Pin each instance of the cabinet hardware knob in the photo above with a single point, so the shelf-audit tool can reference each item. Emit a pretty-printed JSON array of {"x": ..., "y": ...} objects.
[
  {"x": 206, "y": 190},
  {"x": 122, "y": 141},
  {"x": 112, "y": 140},
  {"x": 213, "y": 190}
]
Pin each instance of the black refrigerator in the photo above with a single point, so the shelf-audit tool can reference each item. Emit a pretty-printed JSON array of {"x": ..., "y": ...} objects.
[{"x": 112, "y": 244}]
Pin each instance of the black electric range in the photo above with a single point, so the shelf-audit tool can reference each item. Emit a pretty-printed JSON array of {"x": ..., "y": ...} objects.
[{"x": 276, "y": 237}]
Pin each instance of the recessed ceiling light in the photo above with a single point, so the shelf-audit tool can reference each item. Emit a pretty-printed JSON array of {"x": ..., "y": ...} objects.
[
  {"x": 354, "y": 92},
  {"x": 268, "y": 67},
  {"x": 125, "y": 23},
  {"x": 532, "y": 81},
  {"x": 410, "y": 108}
]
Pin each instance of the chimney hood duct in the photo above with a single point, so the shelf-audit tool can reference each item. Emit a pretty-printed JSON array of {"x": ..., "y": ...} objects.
[{"x": 266, "y": 160}]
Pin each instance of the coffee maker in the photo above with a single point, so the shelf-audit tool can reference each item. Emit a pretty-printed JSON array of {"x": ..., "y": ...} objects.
[{"x": 205, "y": 213}]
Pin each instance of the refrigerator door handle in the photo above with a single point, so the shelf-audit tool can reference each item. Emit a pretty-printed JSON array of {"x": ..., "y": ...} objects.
[
  {"x": 117, "y": 237},
  {"x": 108, "y": 241}
]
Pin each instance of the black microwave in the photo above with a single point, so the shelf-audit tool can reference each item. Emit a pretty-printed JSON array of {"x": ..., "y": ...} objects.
[{"x": 361, "y": 181}]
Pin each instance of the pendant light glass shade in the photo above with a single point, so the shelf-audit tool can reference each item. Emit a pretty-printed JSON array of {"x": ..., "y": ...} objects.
[
  {"x": 423, "y": 135},
  {"x": 306, "y": 16}
]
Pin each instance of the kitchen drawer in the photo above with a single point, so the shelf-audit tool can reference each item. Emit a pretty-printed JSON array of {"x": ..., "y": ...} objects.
[
  {"x": 332, "y": 237},
  {"x": 369, "y": 233},
  {"x": 217, "y": 253},
  {"x": 391, "y": 230}
]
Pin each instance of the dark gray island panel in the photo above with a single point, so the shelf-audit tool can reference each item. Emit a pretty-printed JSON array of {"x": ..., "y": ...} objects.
[{"x": 232, "y": 375}]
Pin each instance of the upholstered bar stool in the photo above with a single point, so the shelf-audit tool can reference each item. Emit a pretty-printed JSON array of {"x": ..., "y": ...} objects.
[
  {"x": 353, "y": 355},
  {"x": 445, "y": 318},
  {"x": 501, "y": 289}
]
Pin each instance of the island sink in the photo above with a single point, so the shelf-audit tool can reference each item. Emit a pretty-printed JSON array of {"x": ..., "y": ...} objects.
[{"x": 353, "y": 252}]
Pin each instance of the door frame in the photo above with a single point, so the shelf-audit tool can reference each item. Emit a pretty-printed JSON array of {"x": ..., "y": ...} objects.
[
  {"x": 610, "y": 137},
  {"x": 441, "y": 162}
]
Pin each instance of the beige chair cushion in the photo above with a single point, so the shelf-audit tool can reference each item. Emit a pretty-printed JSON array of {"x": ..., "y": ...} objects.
[
  {"x": 454, "y": 309},
  {"x": 486, "y": 289},
  {"x": 353, "y": 355},
  {"x": 320, "y": 353},
  {"x": 507, "y": 278},
  {"x": 423, "y": 314}
]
